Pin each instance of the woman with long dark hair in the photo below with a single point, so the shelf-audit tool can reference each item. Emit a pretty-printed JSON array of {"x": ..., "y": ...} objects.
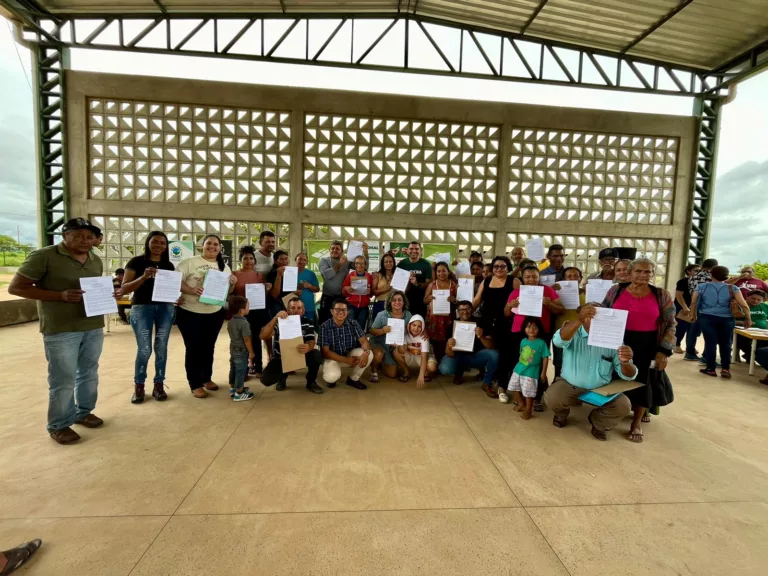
[
  {"x": 147, "y": 315},
  {"x": 275, "y": 278},
  {"x": 200, "y": 323},
  {"x": 382, "y": 283}
]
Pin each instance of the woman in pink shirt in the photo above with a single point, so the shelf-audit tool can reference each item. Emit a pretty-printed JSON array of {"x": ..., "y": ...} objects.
[
  {"x": 551, "y": 305},
  {"x": 650, "y": 332},
  {"x": 256, "y": 318},
  {"x": 358, "y": 302}
]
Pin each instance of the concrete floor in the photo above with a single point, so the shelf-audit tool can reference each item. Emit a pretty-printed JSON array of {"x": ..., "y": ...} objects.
[{"x": 389, "y": 481}]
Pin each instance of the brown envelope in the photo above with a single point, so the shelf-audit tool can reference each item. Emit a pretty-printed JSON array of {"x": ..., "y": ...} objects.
[
  {"x": 287, "y": 298},
  {"x": 615, "y": 387},
  {"x": 291, "y": 358}
]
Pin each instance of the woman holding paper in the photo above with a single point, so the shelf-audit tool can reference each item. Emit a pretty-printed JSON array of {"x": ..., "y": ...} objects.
[
  {"x": 205, "y": 286},
  {"x": 439, "y": 316},
  {"x": 395, "y": 307},
  {"x": 382, "y": 283},
  {"x": 493, "y": 295},
  {"x": 650, "y": 332},
  {"x": 257, "y": 317},
  {"x": 276, "y": 278},
  {"x": 148, "y": 315},
  {"x": 356, "y": 288},
  {"x": 548, "y": 306}
]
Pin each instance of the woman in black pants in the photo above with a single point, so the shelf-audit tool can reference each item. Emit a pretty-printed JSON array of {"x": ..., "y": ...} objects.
[{"x": 200, "y": 322}]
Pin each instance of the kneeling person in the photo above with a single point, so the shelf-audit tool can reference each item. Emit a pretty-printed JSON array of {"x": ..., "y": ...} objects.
[
  {"x": 274, "y": 370},
  {"x": 416, "y": 353},
  {"x": 586, "y": 368},
  {"x": 343, "y": 342},
  {"x": 483, "y": 356}
]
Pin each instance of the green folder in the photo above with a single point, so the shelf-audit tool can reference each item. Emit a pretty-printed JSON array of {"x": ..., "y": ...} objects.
[{"x": 205, "y": 300}]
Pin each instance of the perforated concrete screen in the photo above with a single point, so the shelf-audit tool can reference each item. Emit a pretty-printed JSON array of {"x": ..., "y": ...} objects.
[
  {"x": 591, "y": 177},
  {"x": 403, "y": 166},
  {"x": 192, "y": 158},
  {"x": 162, "y": 152},
  {"x": 464, "y": 241},
  {"x": 124, "y": 236},
  {"x": 583, "y": 251}
]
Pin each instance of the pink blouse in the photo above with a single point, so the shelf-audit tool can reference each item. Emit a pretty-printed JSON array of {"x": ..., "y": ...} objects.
[{"x": 643, "y": 312}]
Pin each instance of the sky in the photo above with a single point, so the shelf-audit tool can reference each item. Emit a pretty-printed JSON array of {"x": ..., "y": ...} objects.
[{"x": 742, "y": 138}]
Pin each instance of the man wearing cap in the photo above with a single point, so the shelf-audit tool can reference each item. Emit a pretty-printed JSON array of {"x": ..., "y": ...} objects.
[
  {"x": 72, "y": 340},
  {"x": 607, "y": 258}
]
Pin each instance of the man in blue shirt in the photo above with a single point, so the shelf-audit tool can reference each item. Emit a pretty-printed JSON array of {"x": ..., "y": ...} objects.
[
  {"x": 585, "y": 368},
  {"x": 342, "y": 341}
]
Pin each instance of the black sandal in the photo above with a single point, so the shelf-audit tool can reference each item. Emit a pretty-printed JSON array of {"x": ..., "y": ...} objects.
[{"x": 18, "y": 556}]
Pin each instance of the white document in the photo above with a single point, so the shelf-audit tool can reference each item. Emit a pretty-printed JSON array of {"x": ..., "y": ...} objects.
[
  {"x": 359, "y": 286},
  {"x": 569, "y": 294},
  {"x": 99, "y": 297},
  {"x": 216, "y": 285},
  {"x": 531, "y": 301},
  {"x": 354, "y": 249},
  {"x": 607, "y": 328},
  {"x": 463, "y": 269},
  {"x": 548, "y": 280},
  {"x": 597, "y": 289},
  {"x": 290, "y": 327},
  {"x": 535, "y": 249},
  {"x": 167, "y": 287},
  {"x": 440, "y": 305},
  {"x": 466, "y": 289},
  {"x": 396, "y": 336},
  {"x": 464, "y": 334},
  {"x": 290, "y": 279},
  {"x": 257, "y": 296},
  {"x": 400, "y": 279},
  {"x": 443, "y": 257}
]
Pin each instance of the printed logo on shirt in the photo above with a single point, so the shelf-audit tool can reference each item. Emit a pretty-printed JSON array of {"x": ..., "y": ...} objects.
[{"x": 527, "y": 355}]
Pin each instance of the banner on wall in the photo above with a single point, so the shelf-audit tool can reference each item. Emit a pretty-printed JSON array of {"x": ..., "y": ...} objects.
[
  {"x": 179, "y": 250},
  {"x": 428, "y": 251}
]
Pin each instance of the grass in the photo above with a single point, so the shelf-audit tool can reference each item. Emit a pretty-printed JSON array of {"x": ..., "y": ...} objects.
[{"x": 12, "y": 258}]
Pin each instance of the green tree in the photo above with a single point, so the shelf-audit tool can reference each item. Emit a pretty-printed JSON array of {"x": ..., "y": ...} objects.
[
  {"x": 7, "y": 244},
  {"x": 761, "y": 269}
]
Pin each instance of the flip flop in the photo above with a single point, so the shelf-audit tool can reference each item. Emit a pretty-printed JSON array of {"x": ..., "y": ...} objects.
[
  {"x": 636, "y": 435},
  {"x": 374, "y": 377},
  {"x": 646, "y": 418},
  {"x": 18, "y": 556}
]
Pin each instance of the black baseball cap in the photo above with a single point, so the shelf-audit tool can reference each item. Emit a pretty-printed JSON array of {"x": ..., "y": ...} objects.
[
  {"x": 81, "y": 224},
  {"x": 608, "y": 253}
]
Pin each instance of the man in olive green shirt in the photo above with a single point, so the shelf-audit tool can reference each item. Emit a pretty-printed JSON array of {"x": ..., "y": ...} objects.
[{"x": 72, "y": 340}]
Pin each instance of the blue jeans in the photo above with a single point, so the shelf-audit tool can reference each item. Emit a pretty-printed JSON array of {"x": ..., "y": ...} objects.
[
  {"x": 761, "y": 357},
  {"x": 238, "y": 368},
  {"x": 359, "y": 314},
  {"x": 143, "y": 318},
  {"x": 462, "y": 362},
  {"x": 718, "y": 333},
  {"x": 73, "y": 375},
  {"x": 682, "y": 327},
  {"x": 694, "y": 331}
]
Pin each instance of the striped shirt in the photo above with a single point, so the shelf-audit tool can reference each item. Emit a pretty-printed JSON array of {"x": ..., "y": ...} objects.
[
  {"x": 341, "y": 339},
  {"x": 307, "y": 331}
]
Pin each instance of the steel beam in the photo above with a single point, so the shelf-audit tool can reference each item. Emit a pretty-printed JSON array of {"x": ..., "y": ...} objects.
[
  {"x": 651, "y": 29},
  {"x": 707, "y": 108}
]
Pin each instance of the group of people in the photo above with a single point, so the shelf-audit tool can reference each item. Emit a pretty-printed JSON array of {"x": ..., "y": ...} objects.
[{"x": 510, "y": 351}]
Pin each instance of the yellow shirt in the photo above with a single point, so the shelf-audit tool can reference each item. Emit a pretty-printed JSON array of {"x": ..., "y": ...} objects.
[
  {"x": 193, "y": 273},
  {"x": 568, "y": 315}
]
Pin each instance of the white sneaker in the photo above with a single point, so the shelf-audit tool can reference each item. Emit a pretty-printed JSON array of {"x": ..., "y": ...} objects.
[{"x": 503, "y": 398}]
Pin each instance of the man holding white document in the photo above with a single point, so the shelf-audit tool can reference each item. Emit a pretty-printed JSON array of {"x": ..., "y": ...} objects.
[
  {"x": 470, "y": 347},
  {"x": 71, "y": 338},
  {"x": 273, "y": 373},
  {"x": 586, "y": 368}
]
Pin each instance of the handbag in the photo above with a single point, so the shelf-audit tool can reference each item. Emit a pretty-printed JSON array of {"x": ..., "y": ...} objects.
[{"x": 661, "y": 387}]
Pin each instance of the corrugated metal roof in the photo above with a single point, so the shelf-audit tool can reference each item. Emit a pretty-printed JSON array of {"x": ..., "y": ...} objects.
[{"x": 703, "y": 33}]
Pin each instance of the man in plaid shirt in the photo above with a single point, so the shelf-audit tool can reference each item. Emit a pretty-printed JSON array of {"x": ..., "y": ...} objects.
[
  {"x": 343, "y": 342},
  {"x": 701, "y": 277}
]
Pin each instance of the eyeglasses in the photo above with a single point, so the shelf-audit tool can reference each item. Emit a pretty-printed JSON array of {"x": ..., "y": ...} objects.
[
  {"x": 468, "y": 310},
  {"x": 339, "y": 310},
  {"x": 499, "y": 266},
  {"x": 648, "y": 272}
]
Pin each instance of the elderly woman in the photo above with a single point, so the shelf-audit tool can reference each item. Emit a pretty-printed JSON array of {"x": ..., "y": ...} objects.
[
  {"x": 396, "y": 306},
  {"x": 650, "y": 332}
]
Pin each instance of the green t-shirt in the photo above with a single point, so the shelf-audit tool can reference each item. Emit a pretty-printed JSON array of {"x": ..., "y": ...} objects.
[
  {"x": 532, "y": 352},
  {"x": 53, "y": 268},
  {"x": 422, "y": 268},
  {"x": 759, "y": 315}
]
